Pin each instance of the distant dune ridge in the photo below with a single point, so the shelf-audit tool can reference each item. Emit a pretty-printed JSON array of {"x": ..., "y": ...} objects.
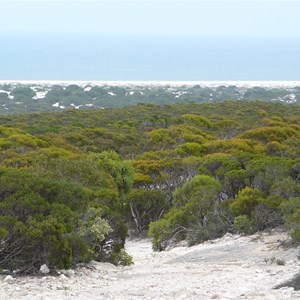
[
  {"x": 155, "y": 83},
  {"x": 26, "y": 96}
]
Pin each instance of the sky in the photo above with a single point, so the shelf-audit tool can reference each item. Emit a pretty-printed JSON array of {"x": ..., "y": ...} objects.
[{"x": 141, "y": 17}]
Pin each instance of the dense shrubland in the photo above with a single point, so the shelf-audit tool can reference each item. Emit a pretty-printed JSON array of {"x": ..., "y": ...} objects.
[{"x": 71, "y": 183}]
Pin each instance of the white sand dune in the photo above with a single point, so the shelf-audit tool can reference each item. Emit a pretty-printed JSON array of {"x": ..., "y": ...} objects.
[
  {"x": 245, "y": 84},
  {"x": 232, "y": 267}
]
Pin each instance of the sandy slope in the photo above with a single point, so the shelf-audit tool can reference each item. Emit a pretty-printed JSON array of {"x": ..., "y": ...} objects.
[{"x": 232, "y": 267}]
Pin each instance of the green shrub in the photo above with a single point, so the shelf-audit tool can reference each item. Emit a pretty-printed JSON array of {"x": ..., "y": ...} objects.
[
  {"x": 246, "y": 201},
  {"x": 243, "y": 224},
  {"x": 47, "y": 222},
  {"x": 161, "y": 230},
  {"x": 274, "y": 260},
  {"x": 291, "y": 214},
  {"x": 121, "y": 258},
  {"x": 193, "y": 216}
]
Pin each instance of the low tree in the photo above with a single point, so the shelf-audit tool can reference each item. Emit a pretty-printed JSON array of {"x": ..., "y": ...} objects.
[
  {"x": 146, "y": 206},
  {"x": 194, "y": 216}
]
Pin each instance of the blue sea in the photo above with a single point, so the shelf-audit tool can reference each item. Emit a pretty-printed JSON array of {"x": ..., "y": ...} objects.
[{"x": 130, "y": 58}]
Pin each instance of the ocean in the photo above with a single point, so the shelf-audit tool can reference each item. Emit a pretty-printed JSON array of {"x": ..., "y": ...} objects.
[{"x": 130, "y": 58}]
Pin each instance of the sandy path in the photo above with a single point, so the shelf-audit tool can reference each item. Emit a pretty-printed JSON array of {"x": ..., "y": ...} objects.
[{"x": 232, "y": 267}]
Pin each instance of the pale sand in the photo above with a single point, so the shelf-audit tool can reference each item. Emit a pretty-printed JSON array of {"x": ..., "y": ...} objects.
[{"x": 232, "y": 267}]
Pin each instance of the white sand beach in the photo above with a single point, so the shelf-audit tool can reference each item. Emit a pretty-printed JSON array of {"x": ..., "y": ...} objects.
[{"x": 242, "y": 84}]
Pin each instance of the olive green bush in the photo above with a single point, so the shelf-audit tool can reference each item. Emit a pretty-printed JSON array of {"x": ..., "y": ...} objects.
[
  {"x": 193, "y": 216},
  {"x": 44, "y": 221}
]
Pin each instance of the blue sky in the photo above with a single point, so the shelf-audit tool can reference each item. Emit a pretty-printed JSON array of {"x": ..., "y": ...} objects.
[{"x": 141, "y": 17}]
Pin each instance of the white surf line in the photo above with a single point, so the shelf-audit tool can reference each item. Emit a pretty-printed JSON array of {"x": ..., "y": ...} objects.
[{"x": 153, "y": 83}]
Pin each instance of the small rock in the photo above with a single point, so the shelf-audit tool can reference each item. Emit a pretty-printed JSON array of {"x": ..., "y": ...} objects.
[
  {"x": 103, "y": 266},
  {"x": 62, "y": 277},
  {"x": 9, "y": 279},
  {"x": 70, "y": 273},
  {"x": 287, "y": 290},
  {"x": 227, "y": 237},
  {"x": 44, "y": 269},
  {"x": 228, "y": 234}
]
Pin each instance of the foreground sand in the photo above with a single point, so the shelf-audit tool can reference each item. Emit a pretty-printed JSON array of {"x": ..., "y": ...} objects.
[{"x": 232, "y": 267}]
